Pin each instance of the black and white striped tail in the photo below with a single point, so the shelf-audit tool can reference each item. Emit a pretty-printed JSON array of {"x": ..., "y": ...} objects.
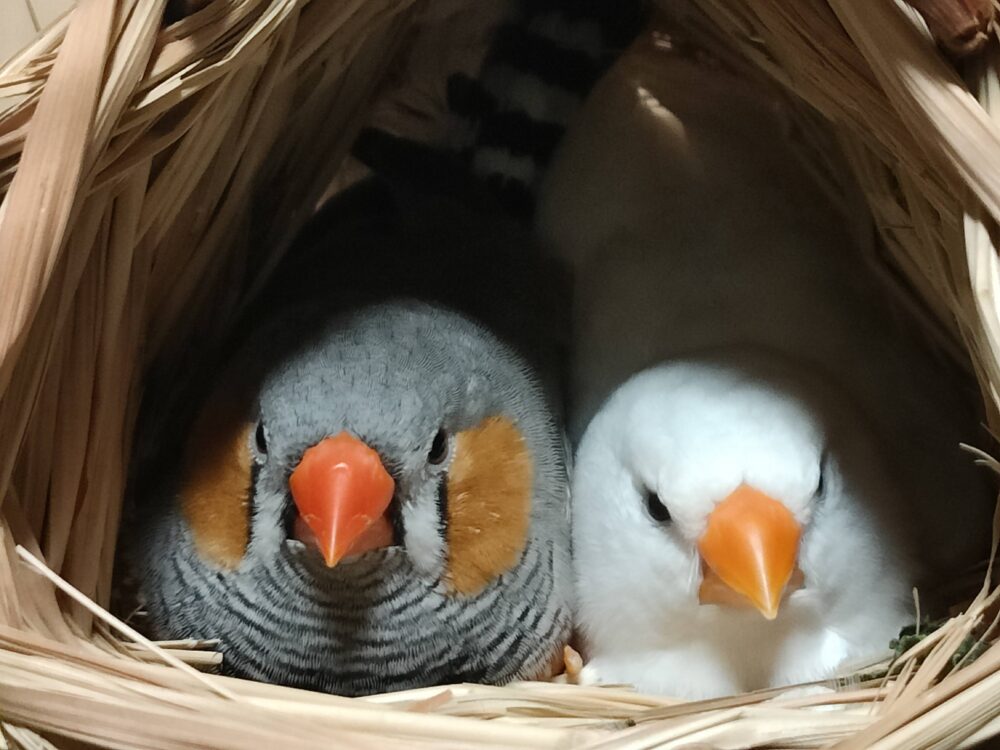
[{"x": 542, "y": 64}]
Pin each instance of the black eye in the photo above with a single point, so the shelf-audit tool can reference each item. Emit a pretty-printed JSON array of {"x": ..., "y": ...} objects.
[
  {"x": 439, "y": 448},
  {"x": 656, "y": 508},
  {"x": 821, "y": 484},
  {"x": 260, "y": 438}
]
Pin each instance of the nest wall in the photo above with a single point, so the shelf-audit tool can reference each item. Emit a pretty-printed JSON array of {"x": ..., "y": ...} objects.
[{"x": 152, "y": 175}]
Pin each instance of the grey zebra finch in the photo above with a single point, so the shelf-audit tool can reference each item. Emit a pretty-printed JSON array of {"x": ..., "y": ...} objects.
[
  {"x": 369, "y": 491},
  {"x": 381, "y": 505}
]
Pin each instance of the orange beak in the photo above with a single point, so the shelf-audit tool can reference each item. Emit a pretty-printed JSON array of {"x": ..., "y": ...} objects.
[
  {"x": 342, "y": 492},
  {"x": 749, "y": 549}
]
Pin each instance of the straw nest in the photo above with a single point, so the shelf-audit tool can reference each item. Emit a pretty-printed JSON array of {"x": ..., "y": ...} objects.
[{"x": 137, "y": 160}]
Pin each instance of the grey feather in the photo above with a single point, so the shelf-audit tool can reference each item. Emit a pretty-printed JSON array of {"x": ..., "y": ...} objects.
[{"x": 392, "y": 374}]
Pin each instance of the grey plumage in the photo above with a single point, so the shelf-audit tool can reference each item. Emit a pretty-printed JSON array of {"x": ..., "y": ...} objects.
[
  {"x": 392, "y": 374},
  {"x": 470, "y": 590}
]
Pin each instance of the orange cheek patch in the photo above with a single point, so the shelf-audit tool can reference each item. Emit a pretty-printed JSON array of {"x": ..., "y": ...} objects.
[
  {"x": 489, "y": 504},
  {"x": 215, "y": 493}
]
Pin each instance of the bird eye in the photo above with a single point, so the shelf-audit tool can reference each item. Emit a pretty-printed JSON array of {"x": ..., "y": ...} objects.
[
  {"x": 657, "y": 510},
  {"x": 439, "y": 448},
  {"x": 260, "y": 438},
  {"x": 821, "y": 484}
]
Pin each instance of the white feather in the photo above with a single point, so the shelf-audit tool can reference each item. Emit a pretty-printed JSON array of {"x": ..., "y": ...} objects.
[
  {"x": 692, "y": 431},
  {"x": 423, "y": 537},
  {"x": 691, "y": 224}
]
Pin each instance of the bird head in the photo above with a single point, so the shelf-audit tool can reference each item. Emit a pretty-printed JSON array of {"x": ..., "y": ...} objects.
[
  {"x": 725, "y": 483},
  {"x": 399, "y": 427}
]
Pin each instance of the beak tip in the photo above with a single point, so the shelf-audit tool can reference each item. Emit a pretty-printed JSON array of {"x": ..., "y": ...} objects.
[
  {"x": 333, "y": 553},
  {"x": 769, "y": 607}
]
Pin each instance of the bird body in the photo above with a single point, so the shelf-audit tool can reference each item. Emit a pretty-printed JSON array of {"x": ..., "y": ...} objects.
[
  {"x": 473, "y": 581},
  {"x": 370, "y": 490},
  {"x": 721, "y": 305},
  {"x": 661, "y": 456}
]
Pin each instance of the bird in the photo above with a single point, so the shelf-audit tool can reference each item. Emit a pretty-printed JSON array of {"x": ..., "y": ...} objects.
[
  {"x": 364, "y": 488},
  {"x": 734, "y": 514},
  {"x": 722, "y": 303},
  {"x": 366, "y": 502}
]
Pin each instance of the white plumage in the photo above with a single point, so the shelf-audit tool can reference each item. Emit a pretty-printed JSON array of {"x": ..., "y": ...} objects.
[
  {"x": 692, "y": 225},
  {"x": 692, "y": 432}
]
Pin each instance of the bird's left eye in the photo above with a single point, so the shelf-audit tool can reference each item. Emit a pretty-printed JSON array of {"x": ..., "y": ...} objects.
[{"x": 657, "y": 510}]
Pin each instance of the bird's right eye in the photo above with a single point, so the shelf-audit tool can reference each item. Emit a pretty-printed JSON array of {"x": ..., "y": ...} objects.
[
  {"x": 820, "y": 493},
  {"x": 260, "y": 439},
  {"x": 657, "y": 510}
]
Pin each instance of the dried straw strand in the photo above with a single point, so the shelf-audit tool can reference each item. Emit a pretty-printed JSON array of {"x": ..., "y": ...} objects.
[
  {"x": 131, "y": 168},
  {"x": 52, "y": 166}
]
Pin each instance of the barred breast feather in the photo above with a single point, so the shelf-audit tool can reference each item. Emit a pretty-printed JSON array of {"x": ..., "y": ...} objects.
[{"x": 372, "y": 627}]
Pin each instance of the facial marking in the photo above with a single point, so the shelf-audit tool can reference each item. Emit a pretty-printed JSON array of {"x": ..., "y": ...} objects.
[
  {"x": 489, "y": 504},
  {"x": 215, "y": 491}
]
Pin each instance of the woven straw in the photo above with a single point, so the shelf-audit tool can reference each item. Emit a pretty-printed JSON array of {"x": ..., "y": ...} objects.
[{"x": 138, "y": 162}]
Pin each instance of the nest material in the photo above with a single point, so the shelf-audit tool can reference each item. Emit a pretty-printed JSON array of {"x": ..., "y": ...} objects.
[{"x": 136, "y": 162}]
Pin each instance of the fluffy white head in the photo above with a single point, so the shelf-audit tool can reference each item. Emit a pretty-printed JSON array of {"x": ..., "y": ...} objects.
[{"x": 677, "y": 440}]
